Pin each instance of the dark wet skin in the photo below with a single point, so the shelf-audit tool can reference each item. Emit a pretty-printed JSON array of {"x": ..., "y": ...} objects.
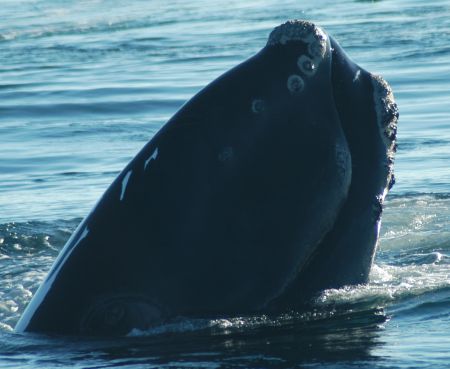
[{"x": 245, "y": 201}]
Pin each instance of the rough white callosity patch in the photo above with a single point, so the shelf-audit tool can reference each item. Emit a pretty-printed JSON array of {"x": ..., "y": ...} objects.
[
  {"x": 124, "y": 184},
  {"x": 308, "y": 33},
  {"x": 153, "y": 156},
  {"x": 315, "y": 40},
  {"x": 387, "y": 116},
  {"x": 298, "y": 30}
]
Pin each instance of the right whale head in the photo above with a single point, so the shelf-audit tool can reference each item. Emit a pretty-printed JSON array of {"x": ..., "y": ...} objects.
[{"x": 269, "y": 179}]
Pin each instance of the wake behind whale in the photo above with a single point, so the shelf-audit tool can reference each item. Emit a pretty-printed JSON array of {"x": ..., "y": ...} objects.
[{"x": 264, "y": 189}]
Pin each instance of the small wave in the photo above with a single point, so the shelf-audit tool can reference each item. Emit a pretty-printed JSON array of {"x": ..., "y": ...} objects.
[
  {"x": 390, "y": 285},
  {"x": 416, "y": 257},
  {"x": 27, "y": 250},
  {"x": 8, "y": 36},
  {"x": 223, "y": 325},
  {"x": 73, "y": 28},
  {"x": 97, "y": 108},
  {"x": 182, "y": 326},
  {"x": 421, "y": 143},
  {"x": 312, "y": 320},
  {"x": 415, "y": 224},
  {"x": 31, "y": 237}
]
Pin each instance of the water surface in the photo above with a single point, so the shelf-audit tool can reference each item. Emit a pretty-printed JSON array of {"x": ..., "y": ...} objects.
[{"x": 85, "y": 84}]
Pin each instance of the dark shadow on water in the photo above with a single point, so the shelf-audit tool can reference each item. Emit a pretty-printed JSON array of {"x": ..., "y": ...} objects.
[{"x": 283, "y": 342}]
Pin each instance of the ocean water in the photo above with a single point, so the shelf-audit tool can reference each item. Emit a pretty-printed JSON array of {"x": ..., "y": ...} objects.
[{"x": 85, "y": 84}]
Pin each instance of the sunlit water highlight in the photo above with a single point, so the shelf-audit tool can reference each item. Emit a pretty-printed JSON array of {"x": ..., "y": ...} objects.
[{"x": 85, "y": 84}]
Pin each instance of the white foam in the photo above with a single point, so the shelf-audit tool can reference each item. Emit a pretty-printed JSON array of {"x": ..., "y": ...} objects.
[
  {"x": 388, "y": 283},
  {"x": 43, "y": 289}
]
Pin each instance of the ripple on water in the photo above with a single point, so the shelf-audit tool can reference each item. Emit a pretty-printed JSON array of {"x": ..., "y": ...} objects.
[{"x": 84, "y": 84}]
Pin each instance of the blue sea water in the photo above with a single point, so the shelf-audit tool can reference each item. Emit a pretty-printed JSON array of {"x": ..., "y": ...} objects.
[{"x": 85, "y": 84}]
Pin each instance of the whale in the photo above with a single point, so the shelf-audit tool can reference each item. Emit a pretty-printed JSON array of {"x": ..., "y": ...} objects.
[{"x": 263, "y": 190}]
